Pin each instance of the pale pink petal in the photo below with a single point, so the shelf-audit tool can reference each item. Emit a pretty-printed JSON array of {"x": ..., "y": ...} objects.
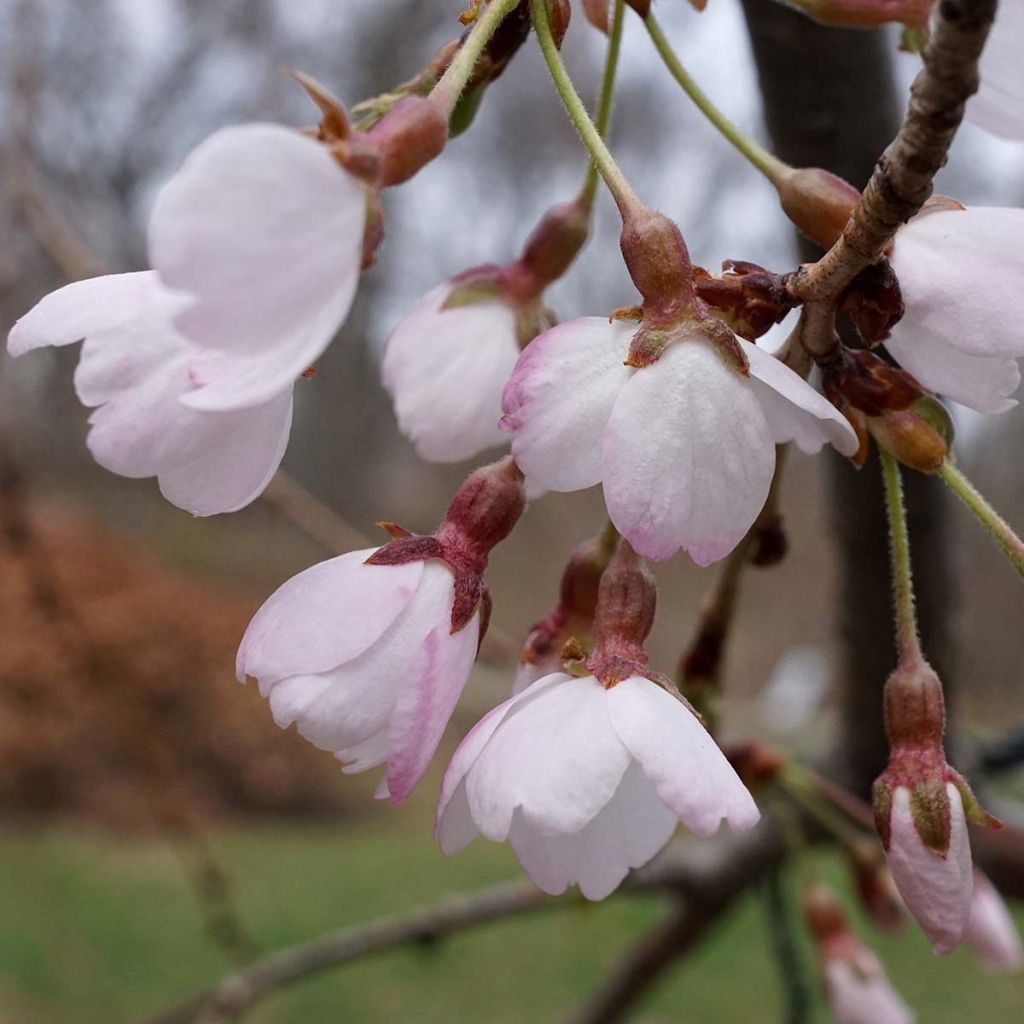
[
  {"x": 688, "y": 456},
  {"x": 960, "y": 273},
  {"x": 689, "y": 771},
  {"x": 859, "y": 993},
  {"x": 325, "y": 616},
  {"x": 936, "y": 890},
  {"x": 363, "y": 756},
  {"x": 263, "y": 228},
  {"x": 346, "y": 706},
  {"x": 998, "y": 106},
  {"x": 97, "y": 304},
  {"x": 454, "y": 827},
  {"x": 794, "y": 410},
  {"x": 555, "y": 757},
  {"x": 558, "y": 400},
  {"x": 991, "y": 931},
  {"x": 445, "y": 370},
  {"x": 433, "y": 686},
  {"x": 626, "y": 833},
  {"x": 985, "y": 383}
]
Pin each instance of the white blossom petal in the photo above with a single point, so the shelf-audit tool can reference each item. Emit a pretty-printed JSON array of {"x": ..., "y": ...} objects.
[
  {"x": 558, "y": 400},
  {"x": 998, "y": 106},
  {"x": 688, "y": 456}
]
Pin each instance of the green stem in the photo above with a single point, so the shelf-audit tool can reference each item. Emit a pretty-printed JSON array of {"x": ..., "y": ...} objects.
[
  {"x": 801, "y": 790},
  {"x": 1002, "y": 533},
  {"x": 770, "y": 166},
  {"x": 449, "y": 87},
  {"x": 604, "y": 104},
  {"x": 620, "y": 188},
  {"x": 899, "y": 552}
]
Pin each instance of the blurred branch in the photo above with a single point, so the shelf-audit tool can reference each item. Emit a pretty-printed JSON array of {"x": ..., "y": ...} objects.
[
  {"x": 237, "y": 992},
  {"x": 782, "y": 934}
]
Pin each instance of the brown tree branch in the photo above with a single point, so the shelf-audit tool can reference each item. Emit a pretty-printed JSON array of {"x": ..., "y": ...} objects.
[{"x": 902, "y": 180}]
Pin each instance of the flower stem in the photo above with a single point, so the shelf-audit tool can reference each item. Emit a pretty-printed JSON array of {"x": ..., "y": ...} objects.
[
  {"x": 621, "y": 190},
  {"x": 449, "y": 87},
  {"x": 770, "y": 166},
  {"x": 1001, "y": 532},
  {"x": 604, "y": 103},
  {"x": 899, "y": 551}
]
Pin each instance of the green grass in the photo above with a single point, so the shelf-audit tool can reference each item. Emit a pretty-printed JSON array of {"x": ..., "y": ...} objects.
[{"x": 95, "y": 930}]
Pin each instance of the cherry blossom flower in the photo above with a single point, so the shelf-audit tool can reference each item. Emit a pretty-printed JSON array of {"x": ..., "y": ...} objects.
[
  {"x": 998, "y": 105},
  {"x": 991, "y": 931},
  {"x": 586, "y": 781},
  {"x": 959, "y": 272},
  {"x": 363, "y": 660},
  {"x": 136, "y": 369},
  {"x": 263, "y": 229},
  {"x": 445, "y": 368},
  {"x": 935, "y": 887},
  {"x": 685, "y": 447}
]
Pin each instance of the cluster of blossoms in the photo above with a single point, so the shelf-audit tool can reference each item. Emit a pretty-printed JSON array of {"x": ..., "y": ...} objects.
[{"x": 256, "y": 246}]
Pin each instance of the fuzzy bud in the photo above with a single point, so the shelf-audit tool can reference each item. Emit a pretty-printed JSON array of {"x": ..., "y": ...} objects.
[
  {"x": 406, "y": 139},
  {"x": 911, "y": 438},
  {"x": 624, "y": 617},
  {"x": 817, "y": 202},
  {"x": 485, "y": 508}
]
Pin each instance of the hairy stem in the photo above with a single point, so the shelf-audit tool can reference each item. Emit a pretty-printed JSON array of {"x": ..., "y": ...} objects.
[
  {"x": 998, "y": 528},
  {"x": 604, "y": 103},
  {"x": 771, "y": 167},
  {"x": 899, "y": 555},
  {"x": 449, "y": 88},
  {"x": 621, "y": 190}
]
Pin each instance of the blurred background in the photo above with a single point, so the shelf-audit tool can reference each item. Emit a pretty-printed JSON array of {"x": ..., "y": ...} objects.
[{"x": 155, "y": 827}]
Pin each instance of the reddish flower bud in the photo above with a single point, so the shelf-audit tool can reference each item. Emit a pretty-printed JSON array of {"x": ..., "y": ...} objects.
[
  {"x": 659, "y": 264},
  {"x": 597, "y": 12},
  {"x": 817, "y": 202},
  {"x": 875, "y": 886},
  {"x": 869, "y": 383},
  {"x": 406, "y": 139},
  {"x": 624, "y": 617},
  {"x": 747, "y": 297},
  {"x": 874, "y": 302},
  {"x": 915, "y": 436}
]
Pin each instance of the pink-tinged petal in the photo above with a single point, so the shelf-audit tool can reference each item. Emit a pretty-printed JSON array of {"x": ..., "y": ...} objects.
[
  {"x": 688, "y": 456},
  {"x": 432, "y": 688},
  {"x": 363, "y": 756},
  {"x": 454, "y": 827},
  {"x": 263, "y": 228},
  {"x": 558, "y": 400},
  {"x": 936, "y": 890},
  {"x": 685, "y": 765},
  {"x": 97, "y": 304},
  {"x": 960, "y": 274},
  {"x": 632, "y": 827},
  {"x": 985, "y": 383},
  {"x": 859, "y": 992},
  {"x": 998, "y": 106},
  {"x": 991, "y": 931},
  {"x": 325, "y": 616},
  {"x": 345, "y": 707},
  {"x": 794, "y": 410},
  {"x": 555, "y": 758},
  {"x": 445, "y": 370}
]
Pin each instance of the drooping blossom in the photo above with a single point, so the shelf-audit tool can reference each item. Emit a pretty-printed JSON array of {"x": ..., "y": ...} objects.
[
  {"x": 588, "y": 776},
  {"x": 684, "y": 447},
  {"x": 263, "y": 229},
  {"x": 959, "y": 271},
  {"x": 586, "y": 781},
  {"x": 137, "y": 371},
  {"x": 856, "y": 988},
  {"x": 368, "y": 653},
  {"x": 998, "y": 105},
  {"x": 991, "y": 931},
  {"x": 448, "y": 359},
  {"x": 445, "y": 368}
]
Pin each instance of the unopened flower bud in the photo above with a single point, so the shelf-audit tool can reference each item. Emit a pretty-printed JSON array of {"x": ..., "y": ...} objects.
[
  {"x": 747, "y": 297},
  {"x": 406, "y": 139},
  {"x": 817, "y": 202},
  {"x": 912, "y": 438},
  {"x": 991, "y": 931},
  {"x": 596, "y": 12},
  {"x": 626, "y": 601},
  {"x": 874, "y": 302},
  {"x": 856, "y": 987}
]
